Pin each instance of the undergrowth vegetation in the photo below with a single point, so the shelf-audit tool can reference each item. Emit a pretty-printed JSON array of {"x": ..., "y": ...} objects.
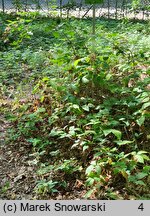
[{"x": 80, "y": 101}]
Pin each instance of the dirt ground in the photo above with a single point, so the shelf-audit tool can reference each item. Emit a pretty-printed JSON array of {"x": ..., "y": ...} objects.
[{"x": 18, "y": 173}]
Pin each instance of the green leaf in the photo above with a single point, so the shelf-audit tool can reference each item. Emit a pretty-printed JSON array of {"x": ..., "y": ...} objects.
[
  {"x": 146, "y": 169},
  {"x": 141, "y": 120},
  {"x": 56, "y": 34},
  {"x": 42, "y": 99},
  {"x": 145, "y": 105},
  {"x": 98, "y": 169},
  {"x": 124, "y": 174},
  {"x": 140, "y": 183},
  {"x": 76, "y": 62},
  {"x": 45, "y": 79},
  {"x": 142, "y": 152},
  {"x": 34, "y": 141},
  {"x": 56, "y": 132},
  {"x": 87, "y": 132},
  {"x": 146, "y": 157},
  {"x": 41, "y": 110},
  {"x": 90, "y": 181},
  {"x": 123, "y": 142},
  {"x": 75, "y": 106},
  {"x": 117, "y": 133},
  {"x": 89, "y": 193},
  {"x": 85, "y": 80},
  {"x": 108, "y": 76},
  {"x": 53, "y": 190},
  {"x": 139, "y": 158},
  {"x": 141, "y": 175},
  {"x": 89, "y": 169},
  {"x": 131, "y": 178},
  {"x": 97, "y": 179},
  {"x": 86, "y": 108},
  {"x": 85, "y": 147},
  {"x": 72, "y": 130}
]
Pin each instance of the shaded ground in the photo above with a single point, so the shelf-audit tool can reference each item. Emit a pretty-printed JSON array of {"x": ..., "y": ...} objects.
[
  {"x": 17, "y": 178},
  {"x": 18, "y": 174}
]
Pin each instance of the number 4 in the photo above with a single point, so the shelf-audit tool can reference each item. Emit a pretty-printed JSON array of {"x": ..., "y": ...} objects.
[{"x": 141, "y": 207}]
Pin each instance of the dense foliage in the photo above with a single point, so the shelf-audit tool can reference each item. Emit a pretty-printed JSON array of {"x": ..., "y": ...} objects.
[{"x": 80, "y": 102}]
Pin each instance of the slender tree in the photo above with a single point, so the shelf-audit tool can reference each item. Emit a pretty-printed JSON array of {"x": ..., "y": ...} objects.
[
  {"x": 93, "y": 2},
  {"x": 3, "y": 6},
  {"x": 108, "y": 9},
  {"x": 116, "y": 8}
]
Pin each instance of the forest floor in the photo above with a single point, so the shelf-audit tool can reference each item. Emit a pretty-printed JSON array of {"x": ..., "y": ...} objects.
[
  {"x": 60, "y": 140},
  {"x": 18, "y": 177},
  {"x": 15, "y": 175}
]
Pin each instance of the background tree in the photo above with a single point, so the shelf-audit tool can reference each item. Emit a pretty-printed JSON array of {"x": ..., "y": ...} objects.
[{"x": 94, "y": 2}]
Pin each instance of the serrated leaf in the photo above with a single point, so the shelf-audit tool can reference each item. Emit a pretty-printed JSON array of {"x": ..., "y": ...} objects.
[{"x": 117, "y": 133}]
